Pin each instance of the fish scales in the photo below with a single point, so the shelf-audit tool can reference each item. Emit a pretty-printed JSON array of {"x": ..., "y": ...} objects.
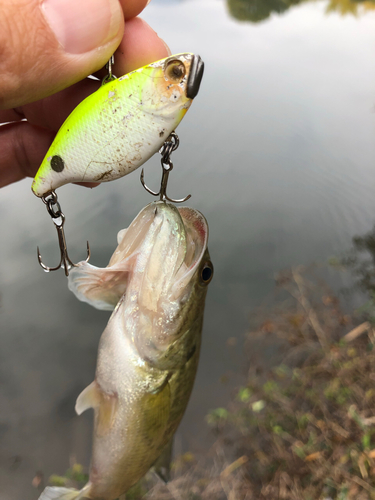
[{"x": 148, "y": 354}]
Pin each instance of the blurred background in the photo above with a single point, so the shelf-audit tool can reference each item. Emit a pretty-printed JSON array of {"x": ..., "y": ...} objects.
[{"x": 278, "y": 153}]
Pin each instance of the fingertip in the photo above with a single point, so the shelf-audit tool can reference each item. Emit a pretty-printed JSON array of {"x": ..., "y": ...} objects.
[
  {"x": 167, "y": 47},
  {"x": 139, "y": 46},
  {"x": 90, "y": 185},
  {"x": 51, "y": 46},
  {"x": 132, "y": 8}
]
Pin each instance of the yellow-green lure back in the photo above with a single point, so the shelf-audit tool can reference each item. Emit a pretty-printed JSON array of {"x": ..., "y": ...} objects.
[{"x": 121, "y": 125}]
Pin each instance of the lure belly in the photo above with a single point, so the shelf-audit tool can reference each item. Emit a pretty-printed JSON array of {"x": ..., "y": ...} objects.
[{"x": 121, "y": 125}]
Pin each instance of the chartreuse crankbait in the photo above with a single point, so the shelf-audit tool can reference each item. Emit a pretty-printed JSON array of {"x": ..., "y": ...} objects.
[
  {"x": 115, "y": 130},
  {"x": 121, "y": 125}
]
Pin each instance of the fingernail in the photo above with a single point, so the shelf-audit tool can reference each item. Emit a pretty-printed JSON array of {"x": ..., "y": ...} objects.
[
  {"x": 83, "y": 26},
  {"x": 166, "y": 46}
]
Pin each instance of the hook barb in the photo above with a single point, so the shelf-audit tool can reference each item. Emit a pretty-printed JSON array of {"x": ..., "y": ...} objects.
[{"x": 144, "y": 185}]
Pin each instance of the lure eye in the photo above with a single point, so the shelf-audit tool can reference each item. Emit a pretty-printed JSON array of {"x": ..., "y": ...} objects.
[
  {"x": 207, "y": 272},
  {"x": 175, "y": 71},
  {"x": 57, "y": 163}
]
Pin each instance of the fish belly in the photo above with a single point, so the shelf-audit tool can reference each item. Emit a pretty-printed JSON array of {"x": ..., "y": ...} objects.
[{"x": 125, "y": 452}]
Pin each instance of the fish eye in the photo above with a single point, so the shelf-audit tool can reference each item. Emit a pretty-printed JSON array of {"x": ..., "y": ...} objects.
[
  {"x": 175, "y": 71},
  {"x": 207, "y": 272}
]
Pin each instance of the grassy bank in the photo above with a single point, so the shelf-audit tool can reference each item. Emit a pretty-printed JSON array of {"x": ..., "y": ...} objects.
[{"x": 307, "y": 427}]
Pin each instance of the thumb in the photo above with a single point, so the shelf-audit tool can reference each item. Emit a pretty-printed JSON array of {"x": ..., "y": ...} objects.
[{"x": 49, "y": 45}]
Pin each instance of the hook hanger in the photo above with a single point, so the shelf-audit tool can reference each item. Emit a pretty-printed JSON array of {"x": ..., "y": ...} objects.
[
  {"x": 58, "y": 218},
  {"x": 170, "y": 145},
  {"x": 109, "y": 76}
]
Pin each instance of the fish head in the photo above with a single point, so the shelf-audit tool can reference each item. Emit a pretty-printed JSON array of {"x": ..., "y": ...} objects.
[
  {"x": 148, "y": 254},
  {"x": 169, "y": 285},
  {"x": 157, "y": 276}
]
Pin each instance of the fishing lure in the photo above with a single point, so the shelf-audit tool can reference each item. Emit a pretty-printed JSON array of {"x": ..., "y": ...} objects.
[
  {"x": 115, "y": 130},
  {"x": 121, "y": 125}
]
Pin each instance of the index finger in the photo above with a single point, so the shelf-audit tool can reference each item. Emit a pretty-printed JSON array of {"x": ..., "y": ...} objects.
[
  {"x": 140, "y": 45},
  {"x": 132, "y": 8}
]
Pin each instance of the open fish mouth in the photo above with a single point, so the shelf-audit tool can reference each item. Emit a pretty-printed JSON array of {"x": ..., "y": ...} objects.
[
  {"x": 159, "y": 231},
  {"x": 195, "y": 76}
]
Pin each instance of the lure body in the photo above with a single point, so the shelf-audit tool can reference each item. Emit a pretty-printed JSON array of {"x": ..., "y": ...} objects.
[
  {"x": 148, "y": 353},
  {"x": 121, "y": 125}
]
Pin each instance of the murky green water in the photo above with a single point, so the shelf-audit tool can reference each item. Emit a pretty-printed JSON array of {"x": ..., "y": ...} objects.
[{"x": 278, "y": 151}]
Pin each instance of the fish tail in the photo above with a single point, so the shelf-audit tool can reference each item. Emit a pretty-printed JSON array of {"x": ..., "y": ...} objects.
[
  {"x": 54, "y": 493},
  {"x": 57, "y": 493}
]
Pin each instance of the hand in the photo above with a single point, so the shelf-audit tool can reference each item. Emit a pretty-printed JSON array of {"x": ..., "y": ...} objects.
[{"x": 47, "y": 49}]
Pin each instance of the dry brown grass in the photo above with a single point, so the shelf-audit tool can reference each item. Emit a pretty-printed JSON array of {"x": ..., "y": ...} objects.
[{"x": 307, "y": 427}]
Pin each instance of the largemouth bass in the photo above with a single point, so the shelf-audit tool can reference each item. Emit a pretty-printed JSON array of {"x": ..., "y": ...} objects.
[
  {"x": 121, "y": 125},
  {"x": 148, "y": 353}
]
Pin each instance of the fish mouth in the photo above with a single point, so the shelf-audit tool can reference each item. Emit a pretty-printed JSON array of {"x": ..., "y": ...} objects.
[{"x": 195, "y": 76}]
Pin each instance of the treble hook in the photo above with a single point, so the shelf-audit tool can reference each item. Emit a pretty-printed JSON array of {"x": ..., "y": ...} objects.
[
  {"x": 58, "y": 218},
  {"x": 170, "y": 145}
]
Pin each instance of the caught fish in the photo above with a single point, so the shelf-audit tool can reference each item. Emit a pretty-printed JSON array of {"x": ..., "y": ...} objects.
[
  {"x": 148, "y": 353},
  {"x": 121, "y": 125}
]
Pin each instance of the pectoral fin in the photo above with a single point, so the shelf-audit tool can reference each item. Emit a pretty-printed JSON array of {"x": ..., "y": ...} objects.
[
  {"x": 89, "y": 398},
  {"x": 105, "y": 406},
  {"x": 101, "y": 288}
]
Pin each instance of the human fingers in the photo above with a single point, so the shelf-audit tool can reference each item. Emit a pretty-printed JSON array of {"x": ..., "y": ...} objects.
[
  {"x": 140, "y": 45},
  {"x": 132, "y": 8},
  {"x": 23, "y": 150},
  {"x": 23, "y": 147},
  {"x": 47, "y": 46}
]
